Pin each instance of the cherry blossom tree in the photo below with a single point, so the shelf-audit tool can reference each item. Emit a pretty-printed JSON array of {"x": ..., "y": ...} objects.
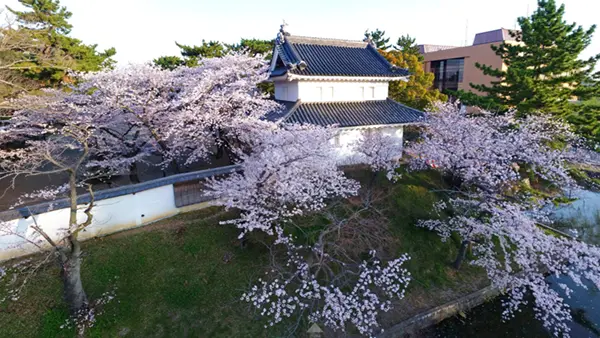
[
  {"x": 136, "y": 98},
  {"x": 189, "y": 113},
  {"x": 217, "y": 104},
  {"x": 58, "y": 137},
  {"x": 306, "y": 285},
  {"x": 292, "y": 171},
  {"x": 517, "y": 255},
  {"x": 112, "y": 120},
  {"x": 487, "y": 157},
  {"x": 378, "y": 150},
  {"x": 487, "y": 150}
]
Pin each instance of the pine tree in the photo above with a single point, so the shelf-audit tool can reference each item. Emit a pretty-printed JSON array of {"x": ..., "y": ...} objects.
[
  {"x": 210, "y": 49},
  {"x": 169, "y": 62},
  {"x": 586, "y": 119},
  {"x": 544, "y": 71},
  {"x": 254, "y": 47},
  {"x": 46, "y": 22},
  {"x": 378, "y": 38},
  {"x": 407, "y": 44},
  {"x": 191, "y": 54}
]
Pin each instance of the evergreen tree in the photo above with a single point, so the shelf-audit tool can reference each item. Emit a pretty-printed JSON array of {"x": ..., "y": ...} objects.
[
  {"x": 407, "y": 44},
  {"x": 191, "y": 55},
  {"x": 586, "y": 119},
  {"x": 543, "y": 70},
  {"x": 210, "y": 49},
  {"x": 254, "y": 47},
  {"x": 169, "y": 62},
  {"x": 378, "y": 38},
  {"x": 45, "y": 15},
  {"x": 418, "y": 92},
  {"x": 54, "y": 52},
  {"x": 12, "y": 44}
]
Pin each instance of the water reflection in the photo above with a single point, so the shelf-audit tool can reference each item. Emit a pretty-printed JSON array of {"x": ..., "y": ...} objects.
[
  {"x": 581, "y": 218},
  {"x": 585, "y": 306},
  {"x": 486, "y": 321}
]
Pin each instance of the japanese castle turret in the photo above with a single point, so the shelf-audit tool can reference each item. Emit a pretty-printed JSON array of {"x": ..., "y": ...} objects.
[{"x": 338, "y": 82}]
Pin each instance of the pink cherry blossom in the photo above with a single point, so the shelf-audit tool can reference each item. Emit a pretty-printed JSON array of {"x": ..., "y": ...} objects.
[{"x": 486, "y": 156}]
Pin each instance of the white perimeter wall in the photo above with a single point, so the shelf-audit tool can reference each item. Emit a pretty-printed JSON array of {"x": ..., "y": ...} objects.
[
  {"x": 329, "y": 91},
  {"x": 129, "y": 211},
  {"x": 110, "y": 215}
]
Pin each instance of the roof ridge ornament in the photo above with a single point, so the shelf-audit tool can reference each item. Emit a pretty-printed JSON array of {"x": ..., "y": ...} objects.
[{"x": 282, "y": 33}]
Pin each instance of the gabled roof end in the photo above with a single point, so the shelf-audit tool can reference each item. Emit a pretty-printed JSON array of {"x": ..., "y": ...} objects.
[{"x": 309, "y": 56}]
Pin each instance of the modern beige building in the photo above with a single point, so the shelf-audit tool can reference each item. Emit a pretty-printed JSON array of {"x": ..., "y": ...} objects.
[{"x": 454, "y": 67}]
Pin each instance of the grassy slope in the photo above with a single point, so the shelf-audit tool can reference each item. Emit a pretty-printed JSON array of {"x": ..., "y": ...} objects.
[
  {"x": 434, "y": 281},
  {"x": 173, "y": 281}
]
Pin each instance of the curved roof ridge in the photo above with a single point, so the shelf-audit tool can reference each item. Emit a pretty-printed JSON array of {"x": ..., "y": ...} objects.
[
  {"x": 312, "y": 56},
  {"x": 393, "y": 67},
  {"x": 327, "y": 41},
  {"x": 347, "y": 101}
]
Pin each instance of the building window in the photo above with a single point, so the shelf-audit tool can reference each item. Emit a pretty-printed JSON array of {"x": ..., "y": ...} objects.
[
  {"x": 448, "y": 73},
  {"x": 372, "y": 92},
  {"x": 320, "y": 93},
  {"x": 284, "y": 93},
  {"x": 325, "y": 93}
]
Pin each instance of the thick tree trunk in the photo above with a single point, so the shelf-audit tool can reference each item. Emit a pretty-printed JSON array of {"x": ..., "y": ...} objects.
[
  {"x": 243, "y": 242},
  {"x": 73, "y": 291},
  {"x": 70, "y": 257},
  {"x": 462, "y": 252},
  {"x": 175, "y": 166},
  {"x": 133, "y": 173},
  {"x": 172, "y": 168}
]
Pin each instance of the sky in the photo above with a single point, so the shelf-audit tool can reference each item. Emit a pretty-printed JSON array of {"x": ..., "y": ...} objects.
[{"x": 142, "y": 30}]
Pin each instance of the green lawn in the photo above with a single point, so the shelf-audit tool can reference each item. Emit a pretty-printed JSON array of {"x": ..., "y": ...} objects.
[{"x": 173, "y": 280}]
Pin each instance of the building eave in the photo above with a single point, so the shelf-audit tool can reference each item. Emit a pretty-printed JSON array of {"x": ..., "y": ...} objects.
[
  {"x": 274, "y": 59},
  {"x": 383, "y": 125},
  {"x": 293, "y": 77},
  {"x": 350, "y": 114}
]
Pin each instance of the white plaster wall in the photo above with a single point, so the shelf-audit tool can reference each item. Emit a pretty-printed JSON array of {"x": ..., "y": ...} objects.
[
  {"x": 109, "y": 216},
  {"x": 129, "y": 211},
  {"x": 286, "y": 90},
  {"x": 346, "y": 138},
  {"x": 329, "y": 91}
]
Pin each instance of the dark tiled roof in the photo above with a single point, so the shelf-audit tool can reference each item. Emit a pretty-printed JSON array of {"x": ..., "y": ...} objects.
[
  {"x": 329, "y": 57},
  {"x": 348, "y": 114},
  {"x": 276, "y": 115}
]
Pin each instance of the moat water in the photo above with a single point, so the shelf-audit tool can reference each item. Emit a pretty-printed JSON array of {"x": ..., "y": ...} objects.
[{"x": 581, "y": 219}]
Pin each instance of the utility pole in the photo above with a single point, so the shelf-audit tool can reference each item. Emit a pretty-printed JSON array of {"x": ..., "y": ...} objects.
[{"x": 466, "y": 31}]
